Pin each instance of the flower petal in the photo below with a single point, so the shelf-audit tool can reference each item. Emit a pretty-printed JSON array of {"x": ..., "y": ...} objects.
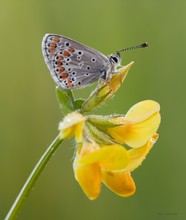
[
  {"x": 138, "y": 155},
  {"x": 139, "y": 125},
  {"x": 142, "y": 111},
  {"x": 110, "y": 157},
  {"x": 89, "y": 178},
  {"x": 71, "y": 125},
  {"x": 138, "y": 134},
  {"x": 120, "y": 183}
]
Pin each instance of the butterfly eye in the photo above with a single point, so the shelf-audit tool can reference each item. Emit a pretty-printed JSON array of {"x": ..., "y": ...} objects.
[
  {"x": 113, "y": 59},
  {"x": 88, "y": 68},
  {"x": 73, "y": 73}
]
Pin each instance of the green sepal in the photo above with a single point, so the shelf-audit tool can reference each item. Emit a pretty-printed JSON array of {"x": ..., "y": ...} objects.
[
  {"x": 103, "y": 121},
  {"x": 94, "y": 100},
  {"x": 66, "y": 100},
  {"x": 99, "y": 136},
  {"x": 106, "y": 89}
]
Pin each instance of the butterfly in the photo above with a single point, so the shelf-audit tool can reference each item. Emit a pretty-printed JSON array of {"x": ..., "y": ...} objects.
[{"x": 74, "y": 65}]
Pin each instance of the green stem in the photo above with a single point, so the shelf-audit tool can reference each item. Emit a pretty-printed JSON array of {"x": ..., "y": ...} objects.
[{"x": 26, "y": 189}]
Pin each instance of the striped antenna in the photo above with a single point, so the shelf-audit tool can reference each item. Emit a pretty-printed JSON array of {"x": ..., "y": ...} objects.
[{"x": 134, "y": 47}]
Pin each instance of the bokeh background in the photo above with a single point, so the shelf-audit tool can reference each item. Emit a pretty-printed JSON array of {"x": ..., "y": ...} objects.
[{"x": 30, "y": 114}]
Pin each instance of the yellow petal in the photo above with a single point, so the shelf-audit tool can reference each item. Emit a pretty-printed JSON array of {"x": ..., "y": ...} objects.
[
  {"x": 120, "y": 183},
  {"x": 138, "y": 155},
  {"x": 110, "y": 157},
  {"x": 89, "y": 178},
  {"x": 71, "y": 125},
  {"x": 139, "y": 125},
  {"x": 142, "y": 111},
  {"x": 138, "y": 134}
]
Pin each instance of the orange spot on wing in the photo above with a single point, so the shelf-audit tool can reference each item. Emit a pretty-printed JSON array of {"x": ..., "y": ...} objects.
[
  {"x": 52, "y": 45},
  {"x": 69, "y": 84},
  {"x": 52, "y": 50},
  {"x": 71, "y": 49},
  {"x": 60, "y": 58},
  {"x": 64, "y": 76},
  {"x": 66, "y": 53},
  {"x": 59, "y": 63},
  {"x": 61, "y": 69},
  {"x": 56, "y": 40}
]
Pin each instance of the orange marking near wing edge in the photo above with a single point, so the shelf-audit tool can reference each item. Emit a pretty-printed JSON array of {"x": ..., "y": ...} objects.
[
  {"x": 70, "y": 49},
  {"x": 53, "y": 45},
  {"x": 66, "y": 53},
  {"x": 52, "y": 50},
  {"x": 60, "y": 58},
  {"x": 69, "y": 84},
  {"x": 59, "y": 63},
  {"x": 61, "y": 69},
  {"x": 64, "y": 75},
  {"x": 56, "y": 40}
]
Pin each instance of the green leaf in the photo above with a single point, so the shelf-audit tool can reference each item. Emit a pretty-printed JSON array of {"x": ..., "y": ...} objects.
[
  {"x": 78, "y": 103},
  {"x": 66, "y": 101}
]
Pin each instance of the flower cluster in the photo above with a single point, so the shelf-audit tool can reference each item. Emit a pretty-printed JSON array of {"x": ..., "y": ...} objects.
[{"x": 110, "y": 147}]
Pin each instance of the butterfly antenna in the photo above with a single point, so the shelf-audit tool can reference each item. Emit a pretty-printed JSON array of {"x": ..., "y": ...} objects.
[{"x": 134, "y": 47}]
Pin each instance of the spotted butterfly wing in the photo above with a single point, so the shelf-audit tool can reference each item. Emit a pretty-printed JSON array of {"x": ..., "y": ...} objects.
[{"x": 72, "y": 64}]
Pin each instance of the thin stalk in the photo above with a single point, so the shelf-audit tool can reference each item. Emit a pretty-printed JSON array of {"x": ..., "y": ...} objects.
[{"x": 27, "y": 187}]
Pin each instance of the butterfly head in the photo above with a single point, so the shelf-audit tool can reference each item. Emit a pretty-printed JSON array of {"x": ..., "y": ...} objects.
[{"x": 115, "y": 59}]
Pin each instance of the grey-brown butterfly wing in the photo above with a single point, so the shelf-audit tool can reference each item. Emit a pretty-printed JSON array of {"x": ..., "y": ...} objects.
[{"x": 72, "y": 64}]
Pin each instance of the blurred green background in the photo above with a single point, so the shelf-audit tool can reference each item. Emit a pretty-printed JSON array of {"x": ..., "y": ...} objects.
[{"x": 30, "y": 113}]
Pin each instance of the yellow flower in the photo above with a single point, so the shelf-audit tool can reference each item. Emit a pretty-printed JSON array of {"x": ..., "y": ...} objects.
[
  {"x": 110, "y": 164},
  {"x": 92, "y": 164},
  {"x": 138, "y": 125},
  {"x": 72, "y": 125}
]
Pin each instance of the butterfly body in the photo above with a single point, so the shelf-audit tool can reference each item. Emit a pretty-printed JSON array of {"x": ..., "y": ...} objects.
[{"x": 74, "y": 65}]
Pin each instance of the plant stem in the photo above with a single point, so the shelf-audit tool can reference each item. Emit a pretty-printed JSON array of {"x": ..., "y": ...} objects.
[{"x": 26, "y": 189}]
